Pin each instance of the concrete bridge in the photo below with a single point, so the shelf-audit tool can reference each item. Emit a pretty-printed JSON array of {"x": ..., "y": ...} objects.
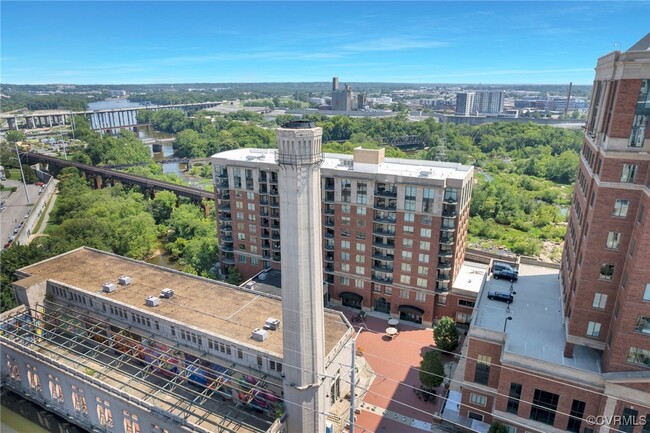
[
  {"x": 99, "y": 119},
  {"x": 102, "y": 176}
]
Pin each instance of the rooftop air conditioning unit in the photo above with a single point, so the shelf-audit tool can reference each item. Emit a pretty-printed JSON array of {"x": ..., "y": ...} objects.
[
  {"x": 259, "y": 334},
  {"x": 152, "y": 301},
  {"x": 167, "y": 293},
  {"x": 124, "y": 280},
  {"x": 272, "y": 324},
  {"x": 109, "y": 287}
]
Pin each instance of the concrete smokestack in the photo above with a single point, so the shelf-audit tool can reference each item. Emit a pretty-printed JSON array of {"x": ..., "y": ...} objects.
[{"x": 299, "y": 157}]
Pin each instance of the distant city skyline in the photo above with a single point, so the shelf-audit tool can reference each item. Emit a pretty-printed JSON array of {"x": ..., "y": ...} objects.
[{"x": 226, "y": 42}]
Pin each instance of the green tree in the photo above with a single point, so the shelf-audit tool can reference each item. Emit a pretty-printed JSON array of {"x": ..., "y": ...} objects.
[
  {"x": 13, "y": 136},
  {"x": 11, "y": 259},
  {"x": 162, "y": 206},
  {"x": 234, "y": 276},
  {"x": 432, "y": 371},
  {"x": 498, "y": 428},
  {"x": 446, "y": 334}
]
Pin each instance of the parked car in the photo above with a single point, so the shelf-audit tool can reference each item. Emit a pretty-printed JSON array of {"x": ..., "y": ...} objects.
[
  {"x": 501, "y": 296},
  {"x": 506, "y": 274},
  {"x": 498, "y": 266}
]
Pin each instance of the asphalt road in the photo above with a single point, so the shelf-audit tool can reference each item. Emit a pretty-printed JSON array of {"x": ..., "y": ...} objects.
[{"x": 15, "y": 207}]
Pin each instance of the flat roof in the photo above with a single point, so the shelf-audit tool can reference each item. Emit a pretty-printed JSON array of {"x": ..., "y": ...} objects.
[
  {"x": 413, "y": 168},
  {"x": 537, "y": 326},
  {"x": 470, "y": 278},
  {"x": 207, "y": 305}
]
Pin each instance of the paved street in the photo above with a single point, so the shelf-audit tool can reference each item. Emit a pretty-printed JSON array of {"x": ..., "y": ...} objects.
[
  {"x": 16, "y": 207},
  {"x": 391, "y": 404}
]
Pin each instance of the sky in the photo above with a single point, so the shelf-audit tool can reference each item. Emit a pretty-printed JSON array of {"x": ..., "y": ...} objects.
[{"x": 487, "y": 42}]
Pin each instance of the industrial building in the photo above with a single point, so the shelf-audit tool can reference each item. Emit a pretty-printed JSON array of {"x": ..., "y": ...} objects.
[
  {"x": 394, "y": 230},
  {"x": 571, "y": 352},
  {"x": 341, "y": 98}
]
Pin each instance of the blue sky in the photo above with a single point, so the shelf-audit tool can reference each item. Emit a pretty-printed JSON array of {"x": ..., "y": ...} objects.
[{"x": 489, "y": 42}]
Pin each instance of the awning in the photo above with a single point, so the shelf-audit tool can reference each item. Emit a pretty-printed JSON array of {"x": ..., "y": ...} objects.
[
  {"x": 351, "y": 296},
  {"x": 410, "y": 309}
]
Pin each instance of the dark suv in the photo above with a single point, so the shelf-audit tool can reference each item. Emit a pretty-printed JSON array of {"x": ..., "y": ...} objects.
[
  {"x": 507, "y": 274},
  {"x": 501, "y": 296}
]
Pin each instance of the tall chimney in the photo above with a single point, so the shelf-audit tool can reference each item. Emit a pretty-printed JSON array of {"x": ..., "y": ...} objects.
[
  {"x": 299, "y": 157},
  {"x": 335, "y": 84}
]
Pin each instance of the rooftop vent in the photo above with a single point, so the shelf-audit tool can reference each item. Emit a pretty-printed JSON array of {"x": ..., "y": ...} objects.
[
  {"x": 124, "y": 280},
  {"x": 259, "y": 334},
  {"x": 152, "y": 301},
  {"x": 272, "y": 323},
  {"x": 167, "y": 293},
  {"x": 250, "y": 285},
  {"x": 109, "y": 287}
]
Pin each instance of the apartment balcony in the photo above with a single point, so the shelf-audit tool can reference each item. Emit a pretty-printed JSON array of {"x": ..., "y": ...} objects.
[
  {"x": 329, "y": 279},
  {"x": 384, "y": 219},
  {"x": 383, "y": 232},
  {"x": 225, "y": 206},
  {"x": 450, "y": 200},
  {"x": 264, "y": 212},
  {"x": 385, "y": 204},
  {"x": 328, "y": 197},
  {"x": 443, "y": 278},
  {"x": 275, "y": 203},
  {"x": 276, "y": 257},
  {"x": 274, "y": 178},
  {"x": 228, "y": 259},
  {"x": 273, "y": 191},
  {"x": 444, "y": 253},
  {"x": 329, "y": 235},
  {"x": 223, "y": 195},
  {"x": 275, "y": 237},
  {"x": 383, "y": 257},
  {"x": 329, "y": 267},
  {"x": 382, "y": 268},
  {"x": 222, "y": 175},
  {"x": 275, "y": 225},
  {"x": 226, "y": 238},
  {"x": 264, "y": 201},
  {"x": 263, "y": 188},
  {"x": 444, "y": 289},
  {"x": 329, "y": 246},
  {"x": 264, "y": 222},
  {"x": 329, "y": 209},
  {"x": 447, "y": 229},
  {"x": 382, "y": 280},
  {"x": 250, "y": 184},
  {"x": 328, "y": 222},
  {"x": 329, "y": 185},
  {"x": 266, "y": 254},
  {"x": 446, "y": 240},
  {"x": 265, "y": 234},
  {"x": 225, "y": 217},
  {"x": 449, "y": 210},
  {"x": 227, "y": 246},
  {"x": 444, "y": 266},
  {"x": 329, "y": 257},
  {"x": 262, "y": 178},
  {"x": 223, "y": 183},
  {"x": 225, "y": 227},
  {"x": 386, "y": 193}
]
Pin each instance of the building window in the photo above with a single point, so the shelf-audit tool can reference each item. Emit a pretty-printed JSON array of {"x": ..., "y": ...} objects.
[
  {"x": 606, "y": 272},
  {"x": 361, "y": 247},
  {"x": 345, "y": 208},
  {"x": 408, "y": 229},
  {"x": 544, "y": 407},
  {"x": 442, "y": 300},
  {"x": 242, "y": 258},
  {"x": 388, "y": 290},
  {"x": 513, "y": 398},
  {"x": 463, "y": 318},
  {"x": 345, "y": 267},
  {"x": 600, "y": 301},
  {"x": 406, "y": 267},
  {"x": 131, "y": 424},
  {"x": 361, "y": 210},
  {"x": 405, "y": 279},
  {"x": 593, "y": 329},
  {"x": 466, "y": 303},
  {"x": 55, "y": 389},
  {"x": 640, "y": 356},
  {"x": 482, "y": 372},
  {"x": 639, "y": 217},
  {"x": 425, "y": 233},
  {"x": 425, "y": 245},
  {"x": 427, "y": 200},
  {"x": 628, "y": 420},
  {"x": 344, "y": 281},
  {"x": 345, "y": 245},
  {"x": 422, "y": 282},
  {"x": 345, "y": 221},
  {"x": 420, "y": 296},
  {"x": 620, "y": 208},
  {"x": 480, "y": 400},
  {"x": 360, "y": 258},
  {"x": 643, "y": 325},
  {"x": 14, "y": 370},
  {"x": 104, "y": 413},
  {"x": 476, "y": 416},
  {"x": 409, "y": 217},
  {"x": 628, "y": 173},
  {"x": 646, "y": 293},
  {"x": 240, "y": 353},
  {"x": 407, "y": 255},
  {"x": 423, "y": 270},
  {"x": 575, "y": 419},
  {"x": 427, "y": 220},
  {"x": 345, "y": 256},
  {"x": 424, "y": 258},
  {"x": 407, "y": 243},
  {"x": 403, "y": 293},
  {"x": 641, "y": 116},
  {"x": 613, "y": 240},
  {"x": 359, "y": 270},
  {"x": 358, "y": 284},
  {"x": 79, "y": 400},
  {"x": 33, "y": 378}
]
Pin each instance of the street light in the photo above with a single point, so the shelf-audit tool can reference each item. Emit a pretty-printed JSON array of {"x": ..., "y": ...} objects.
[
  {"x": 505, "y": 323},
  {"x": 352, "y": 375}
]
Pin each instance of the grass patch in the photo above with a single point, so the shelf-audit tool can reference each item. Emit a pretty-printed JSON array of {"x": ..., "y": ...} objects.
[{"x": 42, "y": 217}]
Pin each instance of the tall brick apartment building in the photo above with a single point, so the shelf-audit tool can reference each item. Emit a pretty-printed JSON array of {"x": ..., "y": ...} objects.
[
  {"x": 576, "y": 344},
  {"x": 394, "y": 230}
]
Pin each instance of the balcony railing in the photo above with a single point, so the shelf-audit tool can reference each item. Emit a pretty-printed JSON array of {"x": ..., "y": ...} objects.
[{"x": 384, "y": 257}]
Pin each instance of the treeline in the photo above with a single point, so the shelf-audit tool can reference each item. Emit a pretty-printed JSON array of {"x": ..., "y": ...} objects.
[
  {"x": 119, "y": 220},
  {"x": 56, "y": 101}
]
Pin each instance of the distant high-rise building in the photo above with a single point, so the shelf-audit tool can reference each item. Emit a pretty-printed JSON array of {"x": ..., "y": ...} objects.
[
  {"x": 465, "y": 103},
  {"x": 341, "y": 98},
  {"x": 488, "y": 101}
]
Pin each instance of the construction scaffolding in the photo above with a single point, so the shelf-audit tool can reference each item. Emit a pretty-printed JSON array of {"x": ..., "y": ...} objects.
[{"x": 194, "y": 388}]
